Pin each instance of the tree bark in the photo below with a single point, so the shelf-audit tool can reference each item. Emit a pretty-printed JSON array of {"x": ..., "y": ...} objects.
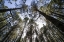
[
  {"x": 4, "y": 10},
  {"x": 59, "y": 8},
  {"x": 56, "y": 22},
  {"x": 58, "y": 15},
  {"x": 12, "y": 28}
]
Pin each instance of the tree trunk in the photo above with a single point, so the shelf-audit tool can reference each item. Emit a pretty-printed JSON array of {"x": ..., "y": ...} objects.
[
  {"x": 59, "y": 8},
  {"x": 8, "y": 33},
  {"x": 59, "y": 15},
  {"x": 4, "y": 10},
  {"x": 56, "y": 22}
]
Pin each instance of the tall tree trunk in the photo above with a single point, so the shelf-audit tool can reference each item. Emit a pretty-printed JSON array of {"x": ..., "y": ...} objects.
[
  {"x": 59, "y": 15},
  {"x": 59, "y": 8},
  {"x": 56, "y": 22},
  {"x": 8, "y": 33},
  {"x": 4, "y": 10}
]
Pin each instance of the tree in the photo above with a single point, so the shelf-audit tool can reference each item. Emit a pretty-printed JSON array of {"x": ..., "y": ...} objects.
[
  {"x": 53, "y": 20},
  {"x": 14, "y": 29}
]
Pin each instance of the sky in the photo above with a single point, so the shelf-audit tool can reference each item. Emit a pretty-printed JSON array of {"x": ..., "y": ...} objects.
[{"x": 28, "y": 2}]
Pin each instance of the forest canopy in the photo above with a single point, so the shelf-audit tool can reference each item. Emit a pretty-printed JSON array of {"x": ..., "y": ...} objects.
[{"x": 31, "y": 20}]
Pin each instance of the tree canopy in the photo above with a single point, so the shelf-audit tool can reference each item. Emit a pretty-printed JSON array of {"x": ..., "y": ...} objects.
[{"x": 41, "y": 21}]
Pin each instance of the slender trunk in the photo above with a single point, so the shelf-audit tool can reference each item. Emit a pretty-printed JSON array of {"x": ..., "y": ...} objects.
[
  {"x": 59, "y": 8},
  {"x": 4, "y": 10},
  {"x": 59, "y": 15},
  {"x": 8, "y": 33},
  {"x": 56, "y": 22},
  {"x": 3, "y": 25}
]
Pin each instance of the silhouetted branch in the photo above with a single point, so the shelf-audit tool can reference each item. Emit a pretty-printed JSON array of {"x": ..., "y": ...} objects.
[
  {"x": 59, "y": 8},
  {"x": 4, "y": 10},
  {"x": 56, "y": 22}
]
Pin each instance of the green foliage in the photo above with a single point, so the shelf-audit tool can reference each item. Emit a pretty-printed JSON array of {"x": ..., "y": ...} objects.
[
  {"x": 3, "y": 23},
  {"x": 59, "y": 2},
  {"x": 5, "y": 7},
  {"x": 0, "y": 1},
  {"x": 31, "y": 26},
  {"x": 1, "y": 17}
]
